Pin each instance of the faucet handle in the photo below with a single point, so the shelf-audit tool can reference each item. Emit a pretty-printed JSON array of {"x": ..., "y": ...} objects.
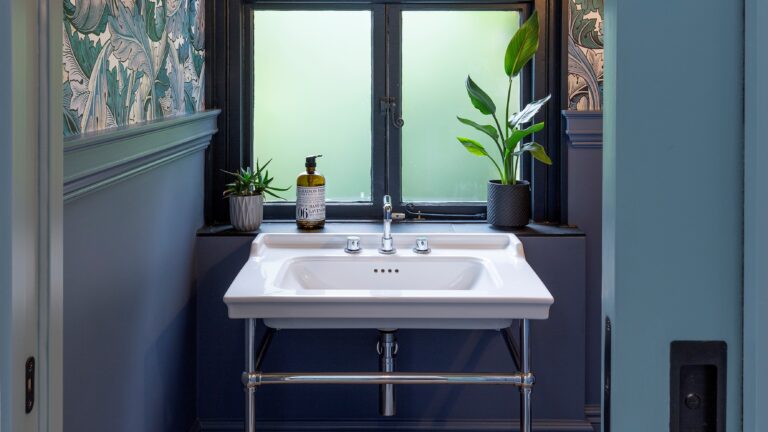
[
  {"x": 353, "y": 245},
  {"x": 422, "y": 246},
  {"x": 387, "y": 200}
]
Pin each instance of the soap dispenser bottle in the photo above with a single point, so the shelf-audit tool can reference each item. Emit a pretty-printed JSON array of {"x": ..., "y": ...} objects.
[{"x": 310, "y": 196}]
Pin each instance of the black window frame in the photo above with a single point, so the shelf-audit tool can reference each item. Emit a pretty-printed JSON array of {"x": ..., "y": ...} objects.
[{"x": 229, "y": 65}]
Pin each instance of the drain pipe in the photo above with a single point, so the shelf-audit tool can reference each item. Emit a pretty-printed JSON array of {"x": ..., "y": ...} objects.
[{"x": 387, "y": 348}]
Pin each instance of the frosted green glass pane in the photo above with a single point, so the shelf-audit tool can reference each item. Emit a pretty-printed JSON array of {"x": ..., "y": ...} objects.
[
  {"x": 312, "y": 95},
  {"x": 440, "y": 48}
]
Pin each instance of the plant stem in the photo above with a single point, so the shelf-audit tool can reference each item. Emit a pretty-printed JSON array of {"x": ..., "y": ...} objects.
[
  {"x": 515, "y": 167},
  {"x": 506, "y": 113},
  {"x": 500, "y": 146},
  {"x": 501, "y": 174}
]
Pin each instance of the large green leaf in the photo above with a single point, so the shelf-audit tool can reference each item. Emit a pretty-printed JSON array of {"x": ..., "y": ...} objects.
[
  {"x": 479, "y": 98},
  {"x": 117, "y": 99},
  {"x": 154, "y": 19},
  {"x": 88, "y": 16},
  {"x": 486, "y": 129},
  {"x": 177, "y": 24},
  {"x": 83, "y": 52},
  {"x": 584, "y": 23},
  {"x": 130, "y": 41},
  {"x": 71, "y": 118},
  {"x": 198, "y": 59},
  {"x": 537, "y": 151},
  {"x": 517, "y": 135},
  {"x": 196, "y": 24},
  {"x": 77, "y": 54},
  {"x": 523, "y": 46},
  {"x": 473, "y": 146},
  {"x": 527, "y": 113},
  {"x": 175, "y": 72},
  {"x": 96, "y": 114}
]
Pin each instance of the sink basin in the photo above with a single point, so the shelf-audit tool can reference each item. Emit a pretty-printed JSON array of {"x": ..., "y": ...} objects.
[
  {"x": 374, "y": 273},
  {"x": 469, "y": 281}
]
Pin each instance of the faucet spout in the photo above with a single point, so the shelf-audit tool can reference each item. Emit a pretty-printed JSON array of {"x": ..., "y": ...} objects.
[{"x": 387, "y": 244}]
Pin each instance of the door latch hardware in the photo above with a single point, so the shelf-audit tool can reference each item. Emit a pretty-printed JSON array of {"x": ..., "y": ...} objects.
[
  {"x": 697, "y": 386},
  {"x": 29, "y": 385}
]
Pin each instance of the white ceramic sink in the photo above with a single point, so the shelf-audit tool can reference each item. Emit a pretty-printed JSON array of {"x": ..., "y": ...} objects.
[
  {"x": 468, "y": 281},
  {"x": 384, "y": 273}
]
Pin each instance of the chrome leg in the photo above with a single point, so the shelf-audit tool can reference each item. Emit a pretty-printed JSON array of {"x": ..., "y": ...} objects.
[
  {"x": 250, "y": 367},
  {"x": 525, "y": 369},
  {"x": 387, "y": 348}
]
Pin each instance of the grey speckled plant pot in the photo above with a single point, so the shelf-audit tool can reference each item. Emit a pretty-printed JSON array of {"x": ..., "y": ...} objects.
[
  {"x": 509, "y": 206},
  {"x": 246, "y": 212}
]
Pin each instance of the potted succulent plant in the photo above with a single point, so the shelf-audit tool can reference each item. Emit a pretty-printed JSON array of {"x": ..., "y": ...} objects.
[
  {"x": 246, "y": 196},
  {"x": 509, "y": 199}
]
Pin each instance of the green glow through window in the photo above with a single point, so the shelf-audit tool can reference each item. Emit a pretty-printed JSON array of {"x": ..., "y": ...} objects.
[
  {"x": 312, "y": 95},
  {"x": 440, "y": 48}
]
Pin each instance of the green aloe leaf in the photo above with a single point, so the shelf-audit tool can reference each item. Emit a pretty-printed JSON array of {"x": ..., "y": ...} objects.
[
  {"x": 523, "y": 46},
  {"x": 473, "y": 146},
  {"x": 479, "y": 98},
  {"x": 537, "y": 151},
  {"x": 486, "y": 129},
  {"x": 270, "y": 193},
  {"x": 527, "y": 113}
]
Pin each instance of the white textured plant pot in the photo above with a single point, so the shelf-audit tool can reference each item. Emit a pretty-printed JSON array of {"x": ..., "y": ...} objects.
[{"x": 246, "y": 212}]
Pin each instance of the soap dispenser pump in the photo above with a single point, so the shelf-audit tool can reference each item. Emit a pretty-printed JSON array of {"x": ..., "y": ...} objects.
[{"x": 310, "y": 196}]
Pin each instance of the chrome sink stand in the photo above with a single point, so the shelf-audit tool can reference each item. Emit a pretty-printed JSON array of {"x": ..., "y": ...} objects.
[{"x": 253, "y": 377}]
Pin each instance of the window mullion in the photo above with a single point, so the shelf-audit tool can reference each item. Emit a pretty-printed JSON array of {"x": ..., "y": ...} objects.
[
  {"x": 394, "y": 90},
  {"x": 379, "y": 91}
]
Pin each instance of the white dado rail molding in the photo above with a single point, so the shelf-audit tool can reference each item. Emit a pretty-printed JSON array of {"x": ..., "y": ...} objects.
[{"x": 99, "y": 159}]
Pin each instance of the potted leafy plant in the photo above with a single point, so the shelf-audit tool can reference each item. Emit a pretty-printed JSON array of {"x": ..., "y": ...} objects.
[
  {"x": 509, "y": 199},
  {"x": 246, "y": 196}
]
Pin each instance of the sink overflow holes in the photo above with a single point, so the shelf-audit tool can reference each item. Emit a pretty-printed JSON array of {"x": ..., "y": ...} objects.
[{"x": 386, "y": 270}]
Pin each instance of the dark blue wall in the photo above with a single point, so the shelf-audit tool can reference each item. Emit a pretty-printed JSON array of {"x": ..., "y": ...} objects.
[
  {"x": 129, "y": 335},
  {"x": 558, "y": 358},
  {"x": 584, "y": 130}
]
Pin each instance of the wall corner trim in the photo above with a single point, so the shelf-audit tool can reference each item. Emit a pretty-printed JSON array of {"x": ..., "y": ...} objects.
[
  {"x": 97, "y": 160},
  {"x": 584, "y": 128}
]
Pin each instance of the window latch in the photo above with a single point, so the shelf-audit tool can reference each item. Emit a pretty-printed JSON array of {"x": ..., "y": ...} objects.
[{"x": 388, "y": 107}]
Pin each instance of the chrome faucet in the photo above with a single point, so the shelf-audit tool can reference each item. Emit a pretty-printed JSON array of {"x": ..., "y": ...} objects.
[{"x": 387, "y": 246}]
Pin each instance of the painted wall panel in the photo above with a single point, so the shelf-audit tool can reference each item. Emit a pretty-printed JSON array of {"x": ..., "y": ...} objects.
[
  {"x": 129, "y": 313},
  {"x": 558, "y": 355},
  {"x": 584, "y": 209},
  {"x": 672, "y": 220}
]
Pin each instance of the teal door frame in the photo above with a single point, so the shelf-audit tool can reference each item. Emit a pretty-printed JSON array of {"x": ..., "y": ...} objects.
[
  {"x": 31, "y": 213},
  {"x": 755, "y": 217}
]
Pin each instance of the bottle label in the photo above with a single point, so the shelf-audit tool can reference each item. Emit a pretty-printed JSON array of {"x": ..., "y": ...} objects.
[{"x": 310, "y": 203}]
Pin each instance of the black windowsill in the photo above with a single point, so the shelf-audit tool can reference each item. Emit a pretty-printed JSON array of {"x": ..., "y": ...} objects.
[{"x": 408, "y": 226}]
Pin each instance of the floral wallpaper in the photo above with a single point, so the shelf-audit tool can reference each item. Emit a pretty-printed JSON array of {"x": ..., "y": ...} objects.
[
  {"x": 585, "y": 55},
  {"x": 131, "y": 61}
]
